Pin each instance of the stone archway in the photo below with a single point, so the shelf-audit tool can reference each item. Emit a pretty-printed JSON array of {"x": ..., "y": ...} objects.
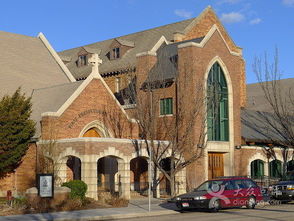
[
  {"x": 73, "y": 168},
  {"x": 139, "y": 174},
  {"x": 107, "y": 170}
]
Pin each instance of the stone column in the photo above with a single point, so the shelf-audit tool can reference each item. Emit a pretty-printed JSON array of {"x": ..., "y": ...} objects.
[
  {"x": 181, "y": 182},
  {"x": 89, "y": 176},
  {"x": 124, "y": 179},
  {"x": 60, "y": 170}
]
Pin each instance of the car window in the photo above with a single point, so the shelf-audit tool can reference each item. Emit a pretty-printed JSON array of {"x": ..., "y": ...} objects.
[
  {"x": 249, "y": 184},
  {"x": 239, "y": 184},
  {"x": 229, "y": 185},
  {"x": 210, "y": 185}
]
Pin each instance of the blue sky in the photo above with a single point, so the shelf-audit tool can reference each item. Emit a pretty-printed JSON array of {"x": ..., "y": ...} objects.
[{"x": 255, "y": 25}]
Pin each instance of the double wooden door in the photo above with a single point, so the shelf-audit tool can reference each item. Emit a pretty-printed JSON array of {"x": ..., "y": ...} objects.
[{"x": 215, "y": 165}]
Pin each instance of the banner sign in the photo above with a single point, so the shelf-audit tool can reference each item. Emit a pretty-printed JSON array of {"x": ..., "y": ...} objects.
[{"x": 45, "y": 185}]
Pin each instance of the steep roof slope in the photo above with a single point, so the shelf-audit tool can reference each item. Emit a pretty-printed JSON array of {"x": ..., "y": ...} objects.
[
  {"x": 50, "y": 99},
  {"x": 255, "y": 94},
  {"x": 254, "y": 127},
  {"x": 143, "y": 41},
  {"x": 26, "y": 62}
]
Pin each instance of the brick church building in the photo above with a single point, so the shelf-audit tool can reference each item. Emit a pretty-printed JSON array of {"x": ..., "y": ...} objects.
[{"x": 80, "y": 101}]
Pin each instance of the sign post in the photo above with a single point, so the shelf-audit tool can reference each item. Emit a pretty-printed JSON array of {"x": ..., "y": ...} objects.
[{"x": 45, "y": 184}]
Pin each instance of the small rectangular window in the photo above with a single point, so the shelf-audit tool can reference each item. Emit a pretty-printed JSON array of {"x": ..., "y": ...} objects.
[
  {"x": 166, "y": 106},
  {"x": 115, "y": 53}
]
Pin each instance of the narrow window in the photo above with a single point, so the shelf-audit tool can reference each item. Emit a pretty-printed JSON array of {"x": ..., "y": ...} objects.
[
  {"x": 217, "y": 105},
  {"x": 115, "y": 53},
  {"x": 166, "y": 106},
  {"x": 257, "y": 169},
  {"x": 82, "y": 61},
  {"x": 275, "y": 169}
]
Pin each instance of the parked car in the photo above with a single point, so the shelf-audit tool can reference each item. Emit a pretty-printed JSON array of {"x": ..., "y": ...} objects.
[
  {"x": 284, "y": 189},
  {"x": 220, "y": 193}
]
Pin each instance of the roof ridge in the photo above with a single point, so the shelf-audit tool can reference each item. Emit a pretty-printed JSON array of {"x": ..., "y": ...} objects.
[{"x": 131, "y": 34}]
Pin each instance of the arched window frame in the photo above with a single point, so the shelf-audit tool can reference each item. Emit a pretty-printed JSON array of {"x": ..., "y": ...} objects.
[
  {"x": 257, "y": 168},
  {"x": 275, "y": 167},
  {"x": 217, "y": 105}
]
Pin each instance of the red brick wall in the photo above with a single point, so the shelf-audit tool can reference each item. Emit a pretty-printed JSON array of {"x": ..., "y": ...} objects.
[
  {"x": 24, "y": 177},
  {"x": 77, "y": 115}
]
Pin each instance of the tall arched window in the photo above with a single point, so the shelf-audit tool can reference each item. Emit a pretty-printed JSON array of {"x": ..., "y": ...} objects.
[
  {"x": 257, "y": 169},
  {"x": 217, "y": 105}
]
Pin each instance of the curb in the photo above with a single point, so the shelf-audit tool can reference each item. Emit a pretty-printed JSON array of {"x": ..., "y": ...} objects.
[
  {"x": 125, "y": 216},
  {"x": 99, "y": 217}
]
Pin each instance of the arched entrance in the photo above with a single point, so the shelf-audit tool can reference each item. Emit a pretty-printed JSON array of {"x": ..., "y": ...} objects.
[
  {"x": 108, "y": 178},
  {"x": 139, "y": 174},
  {"x": 164, "y": 182},
  {"x": 73, "y": 168}
]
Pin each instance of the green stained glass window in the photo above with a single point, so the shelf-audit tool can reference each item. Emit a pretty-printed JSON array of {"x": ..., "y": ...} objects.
[
  {"x": 257, "y": 169},
  {"x": 275, "y": 168},
  {"x": 166, "y": 106},
  {"x": 217, "y": 105}
]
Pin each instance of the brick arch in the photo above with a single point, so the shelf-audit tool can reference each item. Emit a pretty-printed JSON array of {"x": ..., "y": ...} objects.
[
  {"x": 70, "y": 152},
  {"x": 112, "y": 151},
  {"x": 257, "y": 156},
  {"x": 99, "y": 126}
]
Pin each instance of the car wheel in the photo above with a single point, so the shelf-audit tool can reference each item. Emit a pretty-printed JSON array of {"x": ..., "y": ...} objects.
[
  {"x": 215, "y": 206},
  {"x": 251, "y": 203}
]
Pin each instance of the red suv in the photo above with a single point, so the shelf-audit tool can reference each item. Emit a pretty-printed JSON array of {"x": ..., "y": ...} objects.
[{"x": 220, "y": 193}]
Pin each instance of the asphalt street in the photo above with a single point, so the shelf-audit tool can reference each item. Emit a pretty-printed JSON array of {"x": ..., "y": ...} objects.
[{"x": 267, "y": 212}]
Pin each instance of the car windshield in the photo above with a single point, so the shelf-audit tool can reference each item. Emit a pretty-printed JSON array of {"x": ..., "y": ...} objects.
[{"x": 209, "y": 185}]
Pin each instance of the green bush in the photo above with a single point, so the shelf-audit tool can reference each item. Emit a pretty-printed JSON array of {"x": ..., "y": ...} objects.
[{"x": 78, "y": 188}]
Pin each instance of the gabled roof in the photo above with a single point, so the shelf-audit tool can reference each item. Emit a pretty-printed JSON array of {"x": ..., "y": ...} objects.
[
  {"x": 50, "y": 99},
  {"x": 142, "y": 41},
  {"x": 28, "y": 63}
]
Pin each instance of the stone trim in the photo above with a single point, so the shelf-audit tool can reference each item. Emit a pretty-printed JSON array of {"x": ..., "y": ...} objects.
[
  {"x": 44, "y": 40},
  {"x": 79, "y": 90},
  {"x": 213, "y": 29},
  {"x": 230, "y": 143},
  {"x": 153, "y": 50},
  {"x": 99, "y": 125}
]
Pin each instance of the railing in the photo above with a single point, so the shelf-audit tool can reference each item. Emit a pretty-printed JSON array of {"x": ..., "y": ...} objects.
[{"x": 265, "y": 181}]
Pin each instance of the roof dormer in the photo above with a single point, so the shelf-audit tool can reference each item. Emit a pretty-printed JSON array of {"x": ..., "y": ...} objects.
[
  {"x": 118, "y": 48},
  {"x": 83, "y": 55}
]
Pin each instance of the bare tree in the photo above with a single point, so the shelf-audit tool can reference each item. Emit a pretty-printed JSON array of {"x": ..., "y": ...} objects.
[
  {"x": 184, "y": 131},
  {"x": 48, "y": 154},
  {"x": 276, "y": 124}
]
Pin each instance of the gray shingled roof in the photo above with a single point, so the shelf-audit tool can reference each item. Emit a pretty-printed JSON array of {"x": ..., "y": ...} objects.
[
  {"x": 50, "y": 99},
  {"x": 254, "y": 127},
  {"x": 255, "y": 95},
  {"x": 143, "y": 41},
  {"x": 26, "y": 62}
]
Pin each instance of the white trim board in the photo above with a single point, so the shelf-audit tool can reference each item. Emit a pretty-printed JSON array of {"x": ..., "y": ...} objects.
[
  {"x": 79, "y": 90},
  {"x": 213, "y": 29},
  {"x": 42, "y": 37}
]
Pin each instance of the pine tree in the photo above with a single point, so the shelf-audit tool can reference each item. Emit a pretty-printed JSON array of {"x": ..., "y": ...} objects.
[{"x": 16, "y": 130}]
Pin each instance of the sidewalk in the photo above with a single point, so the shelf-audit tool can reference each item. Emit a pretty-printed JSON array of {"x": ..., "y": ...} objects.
[{"x": 136, "y": 208}]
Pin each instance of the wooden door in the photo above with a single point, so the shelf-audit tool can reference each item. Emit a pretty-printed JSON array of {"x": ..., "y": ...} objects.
[{"x": 215, "y": 165}]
